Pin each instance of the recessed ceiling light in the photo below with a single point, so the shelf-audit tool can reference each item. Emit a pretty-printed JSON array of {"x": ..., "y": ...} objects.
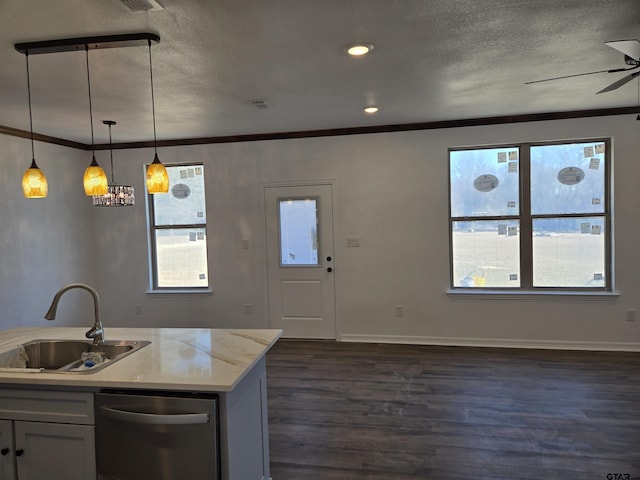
[
  {"x": 371, "y": 109},
  {"x": 359, "y": 49}
]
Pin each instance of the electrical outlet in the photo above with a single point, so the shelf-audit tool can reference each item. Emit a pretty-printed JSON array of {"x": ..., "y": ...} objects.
[
  {"x": 631, "y": 315},
  {"x": 399, "y": 310},
  {"x": 138, "y": 309},
  {"x": 248, "y": 309},
  {"x": 353, "y": 242}
]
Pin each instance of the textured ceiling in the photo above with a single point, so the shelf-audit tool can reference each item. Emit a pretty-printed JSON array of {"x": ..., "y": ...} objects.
[{"x": 433, "y": 60}]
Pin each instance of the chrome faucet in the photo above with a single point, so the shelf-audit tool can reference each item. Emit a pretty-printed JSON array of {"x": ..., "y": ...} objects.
[{"x": 97, "y": 332}]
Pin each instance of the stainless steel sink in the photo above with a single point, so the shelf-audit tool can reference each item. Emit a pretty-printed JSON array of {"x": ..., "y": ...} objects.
[{"x": 65, "y": 356}]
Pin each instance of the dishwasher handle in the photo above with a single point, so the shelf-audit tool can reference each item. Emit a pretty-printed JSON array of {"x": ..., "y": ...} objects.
[{"x": 153, "y": 418}]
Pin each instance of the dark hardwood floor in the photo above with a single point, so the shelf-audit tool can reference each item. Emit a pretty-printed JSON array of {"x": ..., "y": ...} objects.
[{"x": 395, "y": 412}]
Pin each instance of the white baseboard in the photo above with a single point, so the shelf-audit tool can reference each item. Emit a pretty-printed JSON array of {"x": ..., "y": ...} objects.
[{"x": 495, "y": 342}]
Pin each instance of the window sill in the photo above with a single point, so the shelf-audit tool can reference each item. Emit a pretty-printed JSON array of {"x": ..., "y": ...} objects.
[
  {"x": 586, "y": 295},
  {"x": 183, "y": 291}
]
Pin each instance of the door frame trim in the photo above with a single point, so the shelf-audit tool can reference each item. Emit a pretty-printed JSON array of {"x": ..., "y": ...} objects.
[{"x": 336, "y": 244}]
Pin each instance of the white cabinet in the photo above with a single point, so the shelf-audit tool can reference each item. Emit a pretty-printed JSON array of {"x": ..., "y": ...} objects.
[
  {"x": 244, "y": 430},
  {"x": 7, "y": 450},
  {"x": 46, "y": 435},
  {"x": 54, "y": 451}
]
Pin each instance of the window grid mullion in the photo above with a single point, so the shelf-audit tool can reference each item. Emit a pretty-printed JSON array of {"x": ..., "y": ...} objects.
[
  {"x": 526, "y": 222},
  {"x": 179, "y": 226}
]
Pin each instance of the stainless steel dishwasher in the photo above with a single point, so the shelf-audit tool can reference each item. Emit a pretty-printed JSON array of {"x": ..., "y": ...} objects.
[{"x": 156, "y": 435}]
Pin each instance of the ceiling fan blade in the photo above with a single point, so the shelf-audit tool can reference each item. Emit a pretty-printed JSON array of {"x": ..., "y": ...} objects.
[
  {"x": 574, "y": 75},
  {"x": 631, "y": 48},
  {"x": 577, "y": 75},
  {"x": 619, "y": 83}
]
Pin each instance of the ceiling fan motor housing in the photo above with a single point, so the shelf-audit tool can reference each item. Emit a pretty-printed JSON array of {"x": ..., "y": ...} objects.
[{"x": 631, "y": 61}]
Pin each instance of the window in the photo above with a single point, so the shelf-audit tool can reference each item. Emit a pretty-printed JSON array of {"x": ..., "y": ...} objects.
[
  {"x": 298, "y": 232},
  {"x": 531, "y": 216},
  {"x": 178, "y": 231}
]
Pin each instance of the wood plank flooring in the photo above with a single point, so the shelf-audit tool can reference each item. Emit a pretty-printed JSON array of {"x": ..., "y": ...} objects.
[{"x": 396, "y": 412}]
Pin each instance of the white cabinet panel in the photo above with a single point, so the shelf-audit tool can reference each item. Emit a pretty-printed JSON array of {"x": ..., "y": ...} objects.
[
  {"x": 46, "y": 406},
  {"x": 7, "y": 469},
  {"x": 51, "y": 451},
  {"x": 38, "y": 449}
]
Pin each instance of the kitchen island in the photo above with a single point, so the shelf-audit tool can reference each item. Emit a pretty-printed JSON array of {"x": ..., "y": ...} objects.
[{"x": 228, "y": 363}]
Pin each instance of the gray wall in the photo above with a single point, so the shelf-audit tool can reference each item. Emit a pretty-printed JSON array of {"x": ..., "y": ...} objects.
[
  {"x": 391, "y": 190},
  {"x": 44, "y": 243}
]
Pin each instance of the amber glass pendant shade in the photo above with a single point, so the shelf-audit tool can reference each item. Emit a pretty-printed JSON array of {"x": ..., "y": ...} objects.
[
  {"x": 34, "y": 182},
  {"x": 157, "y": 177},
  {"x": 95, "y": 180}
]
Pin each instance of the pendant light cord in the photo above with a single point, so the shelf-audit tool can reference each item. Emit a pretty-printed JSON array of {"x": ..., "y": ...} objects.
[
  {"x": 86, "y": 47},
  {"x": 33, "y": 155},
  {"x": 153, "y": 102},
  {"x": 113, "y": 179},
  {"x": 638, "y": 109}
]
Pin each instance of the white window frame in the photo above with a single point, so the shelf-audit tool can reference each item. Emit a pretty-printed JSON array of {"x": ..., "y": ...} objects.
[{"x": 152, "y": 228}]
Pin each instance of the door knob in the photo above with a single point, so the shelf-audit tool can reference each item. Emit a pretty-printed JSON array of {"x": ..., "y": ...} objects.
[
  {"x": 19, "y": 452},
  {"x": 328, "y": 259},
  {"x": 4, "y": 451},
  {"x": 329, "y": 269}
]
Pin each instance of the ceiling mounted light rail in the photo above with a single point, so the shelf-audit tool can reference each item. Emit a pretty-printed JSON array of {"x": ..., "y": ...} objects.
[
  {"x": 91, "y": 43},
  {"x": 34, "y": 183}
]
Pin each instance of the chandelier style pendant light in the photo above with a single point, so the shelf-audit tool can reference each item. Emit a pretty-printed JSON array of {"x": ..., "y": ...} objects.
[
  {"x": 34, "y": 182},
  {"x": 117, "y": 195},
  {"x": 95, "y": 180},
  {"x": 157, "y": 176}
]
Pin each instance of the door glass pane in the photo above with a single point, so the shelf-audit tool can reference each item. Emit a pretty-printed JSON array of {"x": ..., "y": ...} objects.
[
  {"x": 182, "y": 257},
  {"x": 568, "y": 178},
  {"x": 486, "y": 253},
  {"x": 184, "y": 204},
  {"x": 298, "y": 231},
  {"x": 569, "y": 252},
  {"x": 484, "y": 182}
]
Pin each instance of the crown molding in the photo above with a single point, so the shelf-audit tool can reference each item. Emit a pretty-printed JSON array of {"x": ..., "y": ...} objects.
[{"x": 402, "y": 127}]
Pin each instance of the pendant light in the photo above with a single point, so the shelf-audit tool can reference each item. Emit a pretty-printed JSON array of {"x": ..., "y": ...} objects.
[
  {"x": 157, "y": 176},
  {"x": 117, "y": 195},
  {"x": 95, "y": 180},
  {"x": 34, "y": 183}
]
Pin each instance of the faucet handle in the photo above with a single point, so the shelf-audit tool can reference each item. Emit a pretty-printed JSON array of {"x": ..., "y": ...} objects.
[{"x": 97, "y": 334}]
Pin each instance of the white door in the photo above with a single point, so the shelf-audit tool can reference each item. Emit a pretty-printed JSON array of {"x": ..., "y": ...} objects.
[{"x": 300, "y": 260}]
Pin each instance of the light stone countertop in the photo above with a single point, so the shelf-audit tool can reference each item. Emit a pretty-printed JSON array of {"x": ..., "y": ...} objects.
[{"x": 205, "y": 360}]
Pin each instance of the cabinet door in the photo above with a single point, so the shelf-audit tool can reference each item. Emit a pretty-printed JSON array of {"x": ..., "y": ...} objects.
[
  {"x": 52, "y": 451},
  {"x": 7, "y": 470}
]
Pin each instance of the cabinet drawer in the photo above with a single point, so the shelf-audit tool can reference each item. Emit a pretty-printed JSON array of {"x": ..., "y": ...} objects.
[{"x": 47, "y": 406}]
